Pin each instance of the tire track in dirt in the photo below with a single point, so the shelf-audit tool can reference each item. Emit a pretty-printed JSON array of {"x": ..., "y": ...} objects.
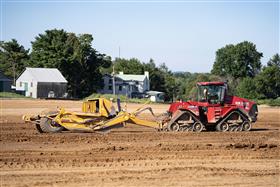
[{"x": 137, "y": 156}]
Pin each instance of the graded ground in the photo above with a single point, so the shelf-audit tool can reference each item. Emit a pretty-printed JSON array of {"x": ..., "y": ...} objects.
[{"x": 135, "y": 156}]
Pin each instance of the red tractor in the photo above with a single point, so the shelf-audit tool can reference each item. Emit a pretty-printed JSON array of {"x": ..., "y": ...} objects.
[{"x": 214, "y": 109}]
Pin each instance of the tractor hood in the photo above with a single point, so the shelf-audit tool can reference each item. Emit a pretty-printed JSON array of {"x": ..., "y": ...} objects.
[{"x": 250, "y": 107}]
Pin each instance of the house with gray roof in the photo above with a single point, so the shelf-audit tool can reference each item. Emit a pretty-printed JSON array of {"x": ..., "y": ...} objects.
[
  {"x": 42, "y": 83},
  {"x": 126, "y": 84}
]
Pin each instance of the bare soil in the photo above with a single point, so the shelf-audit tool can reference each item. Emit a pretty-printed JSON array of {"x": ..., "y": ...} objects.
[{"x": 135, "y": 155}]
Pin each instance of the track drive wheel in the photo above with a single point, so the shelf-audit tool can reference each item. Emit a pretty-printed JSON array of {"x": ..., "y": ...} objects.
[
  {"x": 223, "y": 127},
  {"x": 246, "y": 126},
  {"x": 174, "y": 127},
  {"x": 197, "y": 127}
]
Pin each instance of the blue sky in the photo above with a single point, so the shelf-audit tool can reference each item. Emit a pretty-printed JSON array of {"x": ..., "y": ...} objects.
[{"x": 184, "y": 35}]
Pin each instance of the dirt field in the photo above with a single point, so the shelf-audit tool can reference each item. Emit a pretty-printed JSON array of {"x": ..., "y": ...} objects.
[{"x": 135, "y": 156}]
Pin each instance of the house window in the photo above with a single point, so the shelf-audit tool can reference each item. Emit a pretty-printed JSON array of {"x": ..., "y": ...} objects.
[
  {"x": 30, "y": 94},
  {"x": 110, "y": 81},
  {"x": 110, "y": 87},
  {"x": 120, "y": 88},
  {"x": 20, "y": 84},
  {"x": 136, "y": 82},
  {"x": 31, "y": 84}
]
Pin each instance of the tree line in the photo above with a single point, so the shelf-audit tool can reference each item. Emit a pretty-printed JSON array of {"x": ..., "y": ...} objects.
[
  {"x": 72, "y": 54},
  {"x": 83, "y": 67}
]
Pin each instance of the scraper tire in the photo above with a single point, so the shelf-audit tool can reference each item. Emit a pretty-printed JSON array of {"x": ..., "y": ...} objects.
[
  {"x": 47, "y": 125},
  {"x": 38, "y": 127}
]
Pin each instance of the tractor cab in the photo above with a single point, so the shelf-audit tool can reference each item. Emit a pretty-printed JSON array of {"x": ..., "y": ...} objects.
[{"x": 211, "y": 92}]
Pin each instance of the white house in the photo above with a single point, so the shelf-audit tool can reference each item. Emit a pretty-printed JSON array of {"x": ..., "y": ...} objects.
[
  {"x": 42, "y": 83},
  {"x": 126, "y": 84}
]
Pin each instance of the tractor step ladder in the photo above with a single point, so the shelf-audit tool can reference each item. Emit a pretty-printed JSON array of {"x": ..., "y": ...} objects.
[{"x": 218, "y": 114}]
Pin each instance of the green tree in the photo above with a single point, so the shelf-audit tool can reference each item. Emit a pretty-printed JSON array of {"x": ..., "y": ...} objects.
[
  {"x": 275, "y": 60},
  {"x": 157, "y": 79},
  {"x": 171, "y": 87},
  {"x": 247, "y": 88},
  {"x": 13, "y": 58},
  {"x": 166, "y": 82},
  {"x": 74, "y": 56},
  {"x": 150, "y": 66},
  {"x": 130, "y": 66},
  {"x": 237, "y": 61},
  {"x": 268, "y": 82},
  {"x": 163, "y": 68}
]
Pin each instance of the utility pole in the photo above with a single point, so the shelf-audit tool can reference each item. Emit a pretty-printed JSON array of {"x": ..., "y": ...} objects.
[
  {"x": 114, "y": 89},
  {"x": 113, "y": 76},
  {"x": 119, "y": 52}
]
